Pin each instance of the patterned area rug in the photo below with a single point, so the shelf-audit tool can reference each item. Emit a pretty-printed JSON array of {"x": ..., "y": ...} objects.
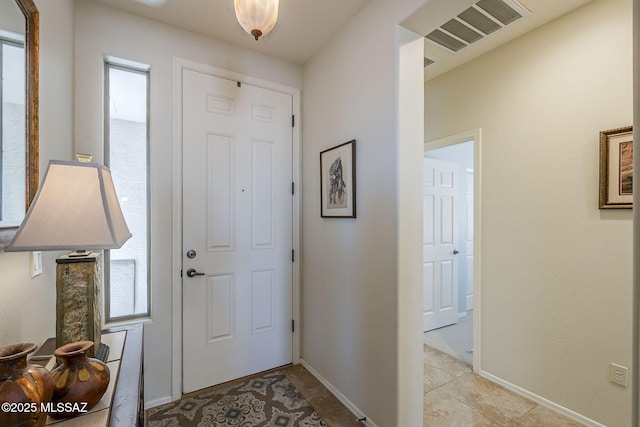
[{"x": 269, "y": 400}]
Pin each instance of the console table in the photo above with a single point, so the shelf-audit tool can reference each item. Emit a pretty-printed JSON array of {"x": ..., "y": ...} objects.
[{"x": 123, "y": 403}]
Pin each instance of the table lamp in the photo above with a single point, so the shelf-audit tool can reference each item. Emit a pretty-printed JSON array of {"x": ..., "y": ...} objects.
[{"x": 75, "y": 208}]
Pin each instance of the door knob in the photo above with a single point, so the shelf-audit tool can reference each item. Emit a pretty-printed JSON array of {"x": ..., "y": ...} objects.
[
  {"x": 192, "y": 273},
  {"x": 456, "y": 252}
]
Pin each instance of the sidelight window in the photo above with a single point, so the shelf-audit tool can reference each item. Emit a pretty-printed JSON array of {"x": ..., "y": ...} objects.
[{"x": 127, "y": 272}]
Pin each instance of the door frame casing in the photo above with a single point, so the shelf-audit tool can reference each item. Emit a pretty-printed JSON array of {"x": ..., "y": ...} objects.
[
  {"x": 476, "y": 136},
  {"x": 180, "y": 64}
]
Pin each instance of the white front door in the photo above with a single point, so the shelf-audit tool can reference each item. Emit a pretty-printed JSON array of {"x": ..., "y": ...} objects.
[
  {"x": 440, "y": 263},
  {"x": 237, "y": 230}
]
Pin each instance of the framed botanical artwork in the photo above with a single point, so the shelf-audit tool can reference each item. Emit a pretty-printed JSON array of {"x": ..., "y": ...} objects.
[
  {"x": 616, "y": 168},
  {"x": 338, "y": 181}
]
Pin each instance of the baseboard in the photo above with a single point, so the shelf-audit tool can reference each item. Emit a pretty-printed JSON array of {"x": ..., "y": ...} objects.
[
  {"x": 157, "y": 402},
  {"x": 341, "y": 397},
  {"x": 542, "y": 401}
]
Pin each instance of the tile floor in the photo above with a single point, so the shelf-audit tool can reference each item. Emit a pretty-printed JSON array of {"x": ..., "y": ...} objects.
[
  {"x": 455, "y": 396},
  {"x": 325, "y": 403}
]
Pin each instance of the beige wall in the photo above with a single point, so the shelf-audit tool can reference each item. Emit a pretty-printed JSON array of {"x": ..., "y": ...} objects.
[
  {"x": 556, "y": 271},
  {"x": 27, "y": 306}
]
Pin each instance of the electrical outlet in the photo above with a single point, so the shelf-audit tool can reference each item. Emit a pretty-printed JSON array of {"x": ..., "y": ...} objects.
[{"x": 618, "y": 374}]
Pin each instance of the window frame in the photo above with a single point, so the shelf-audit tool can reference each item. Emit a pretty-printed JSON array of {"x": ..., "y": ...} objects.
[{"x": 145, "y": 70}]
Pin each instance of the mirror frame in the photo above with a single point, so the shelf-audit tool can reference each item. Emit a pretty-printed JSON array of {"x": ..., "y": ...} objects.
[{"x": 32, "y": 68}]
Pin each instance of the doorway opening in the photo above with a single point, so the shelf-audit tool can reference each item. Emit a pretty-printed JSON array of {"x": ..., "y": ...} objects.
[{"x": 451, "y": 314}]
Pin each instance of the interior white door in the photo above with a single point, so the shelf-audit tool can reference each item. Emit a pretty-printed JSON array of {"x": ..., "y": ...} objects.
[
  {"x": 237, "y": 230},
  {"x": 440, "y": 263}
]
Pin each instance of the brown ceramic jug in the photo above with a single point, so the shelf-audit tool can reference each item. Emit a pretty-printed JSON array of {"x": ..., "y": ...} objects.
[
  {"x": 79, "y": 382},
  {"x": 24, "y": 389}
]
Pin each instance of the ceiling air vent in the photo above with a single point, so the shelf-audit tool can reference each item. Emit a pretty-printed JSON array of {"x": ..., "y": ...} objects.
[{"x": 483, "y": 18}]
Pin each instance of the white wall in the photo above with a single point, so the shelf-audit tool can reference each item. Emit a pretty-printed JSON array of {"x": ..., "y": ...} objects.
[
  {"x": 27, "y": 306},
  {"x": 361, "y": 283},
  {"x": 556, "y": 271},
  {"x": 105, "y": 31}
]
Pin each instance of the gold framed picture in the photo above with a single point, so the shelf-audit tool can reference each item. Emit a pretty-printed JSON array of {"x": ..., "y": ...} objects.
[{"x": 616, "y": 168}]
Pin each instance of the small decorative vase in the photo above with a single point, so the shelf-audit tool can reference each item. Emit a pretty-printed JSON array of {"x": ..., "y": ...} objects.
[
  {"x": 79, "y": 382},
  {"x": 23, "y": 388}
]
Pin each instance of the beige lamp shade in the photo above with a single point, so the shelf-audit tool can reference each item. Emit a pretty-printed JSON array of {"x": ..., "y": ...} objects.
[
  {"x": 257, "y": 17},
  {"x": 76, "y": 207}
]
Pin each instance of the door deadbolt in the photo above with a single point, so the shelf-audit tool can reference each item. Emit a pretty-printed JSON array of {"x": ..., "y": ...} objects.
[{"x": 191, "y": 253}]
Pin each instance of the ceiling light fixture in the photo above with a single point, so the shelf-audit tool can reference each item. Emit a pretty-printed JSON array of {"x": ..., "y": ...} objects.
[{"x": 257, "y": 17}]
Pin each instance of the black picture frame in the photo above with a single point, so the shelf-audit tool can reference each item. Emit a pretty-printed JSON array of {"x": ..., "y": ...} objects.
[{"x": 338, "y": 181}]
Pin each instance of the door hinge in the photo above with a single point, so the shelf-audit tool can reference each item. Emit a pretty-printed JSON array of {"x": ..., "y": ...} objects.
[
  {"x": 180, "y": 273},
  {"x": 293, "y": 120},
  {"x": 293, "y": 188},
  {"x": 293, "y": 325},
  {"x": 293, "y": 255}
]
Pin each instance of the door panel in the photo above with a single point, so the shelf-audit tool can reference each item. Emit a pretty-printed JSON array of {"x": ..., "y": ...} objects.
[
  {"x": 220, "y": 219},
  {"x": 446, "y": 220},
  {"x": 237, "y": 217},
  {"x": 220, "y": 307},
  {"x": 262, "y": 303},
  {"x": 447, "y": 285},
  {"x": 263, "y": 207}
]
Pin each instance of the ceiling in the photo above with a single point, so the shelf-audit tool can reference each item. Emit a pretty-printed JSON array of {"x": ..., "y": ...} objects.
[
  {"x": 304, "y": 26},
  {"x": 437, "y": 12}
]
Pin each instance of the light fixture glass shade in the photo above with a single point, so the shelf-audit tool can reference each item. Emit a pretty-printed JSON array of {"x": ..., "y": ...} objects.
[
  {"x": 257, "y": 17},
  {"x": 76, "y": 207}
]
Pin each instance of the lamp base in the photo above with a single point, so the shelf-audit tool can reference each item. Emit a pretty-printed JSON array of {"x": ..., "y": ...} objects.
[
  {"x": 78, "y": 302},
  {"x": 102, "y": 353}
]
